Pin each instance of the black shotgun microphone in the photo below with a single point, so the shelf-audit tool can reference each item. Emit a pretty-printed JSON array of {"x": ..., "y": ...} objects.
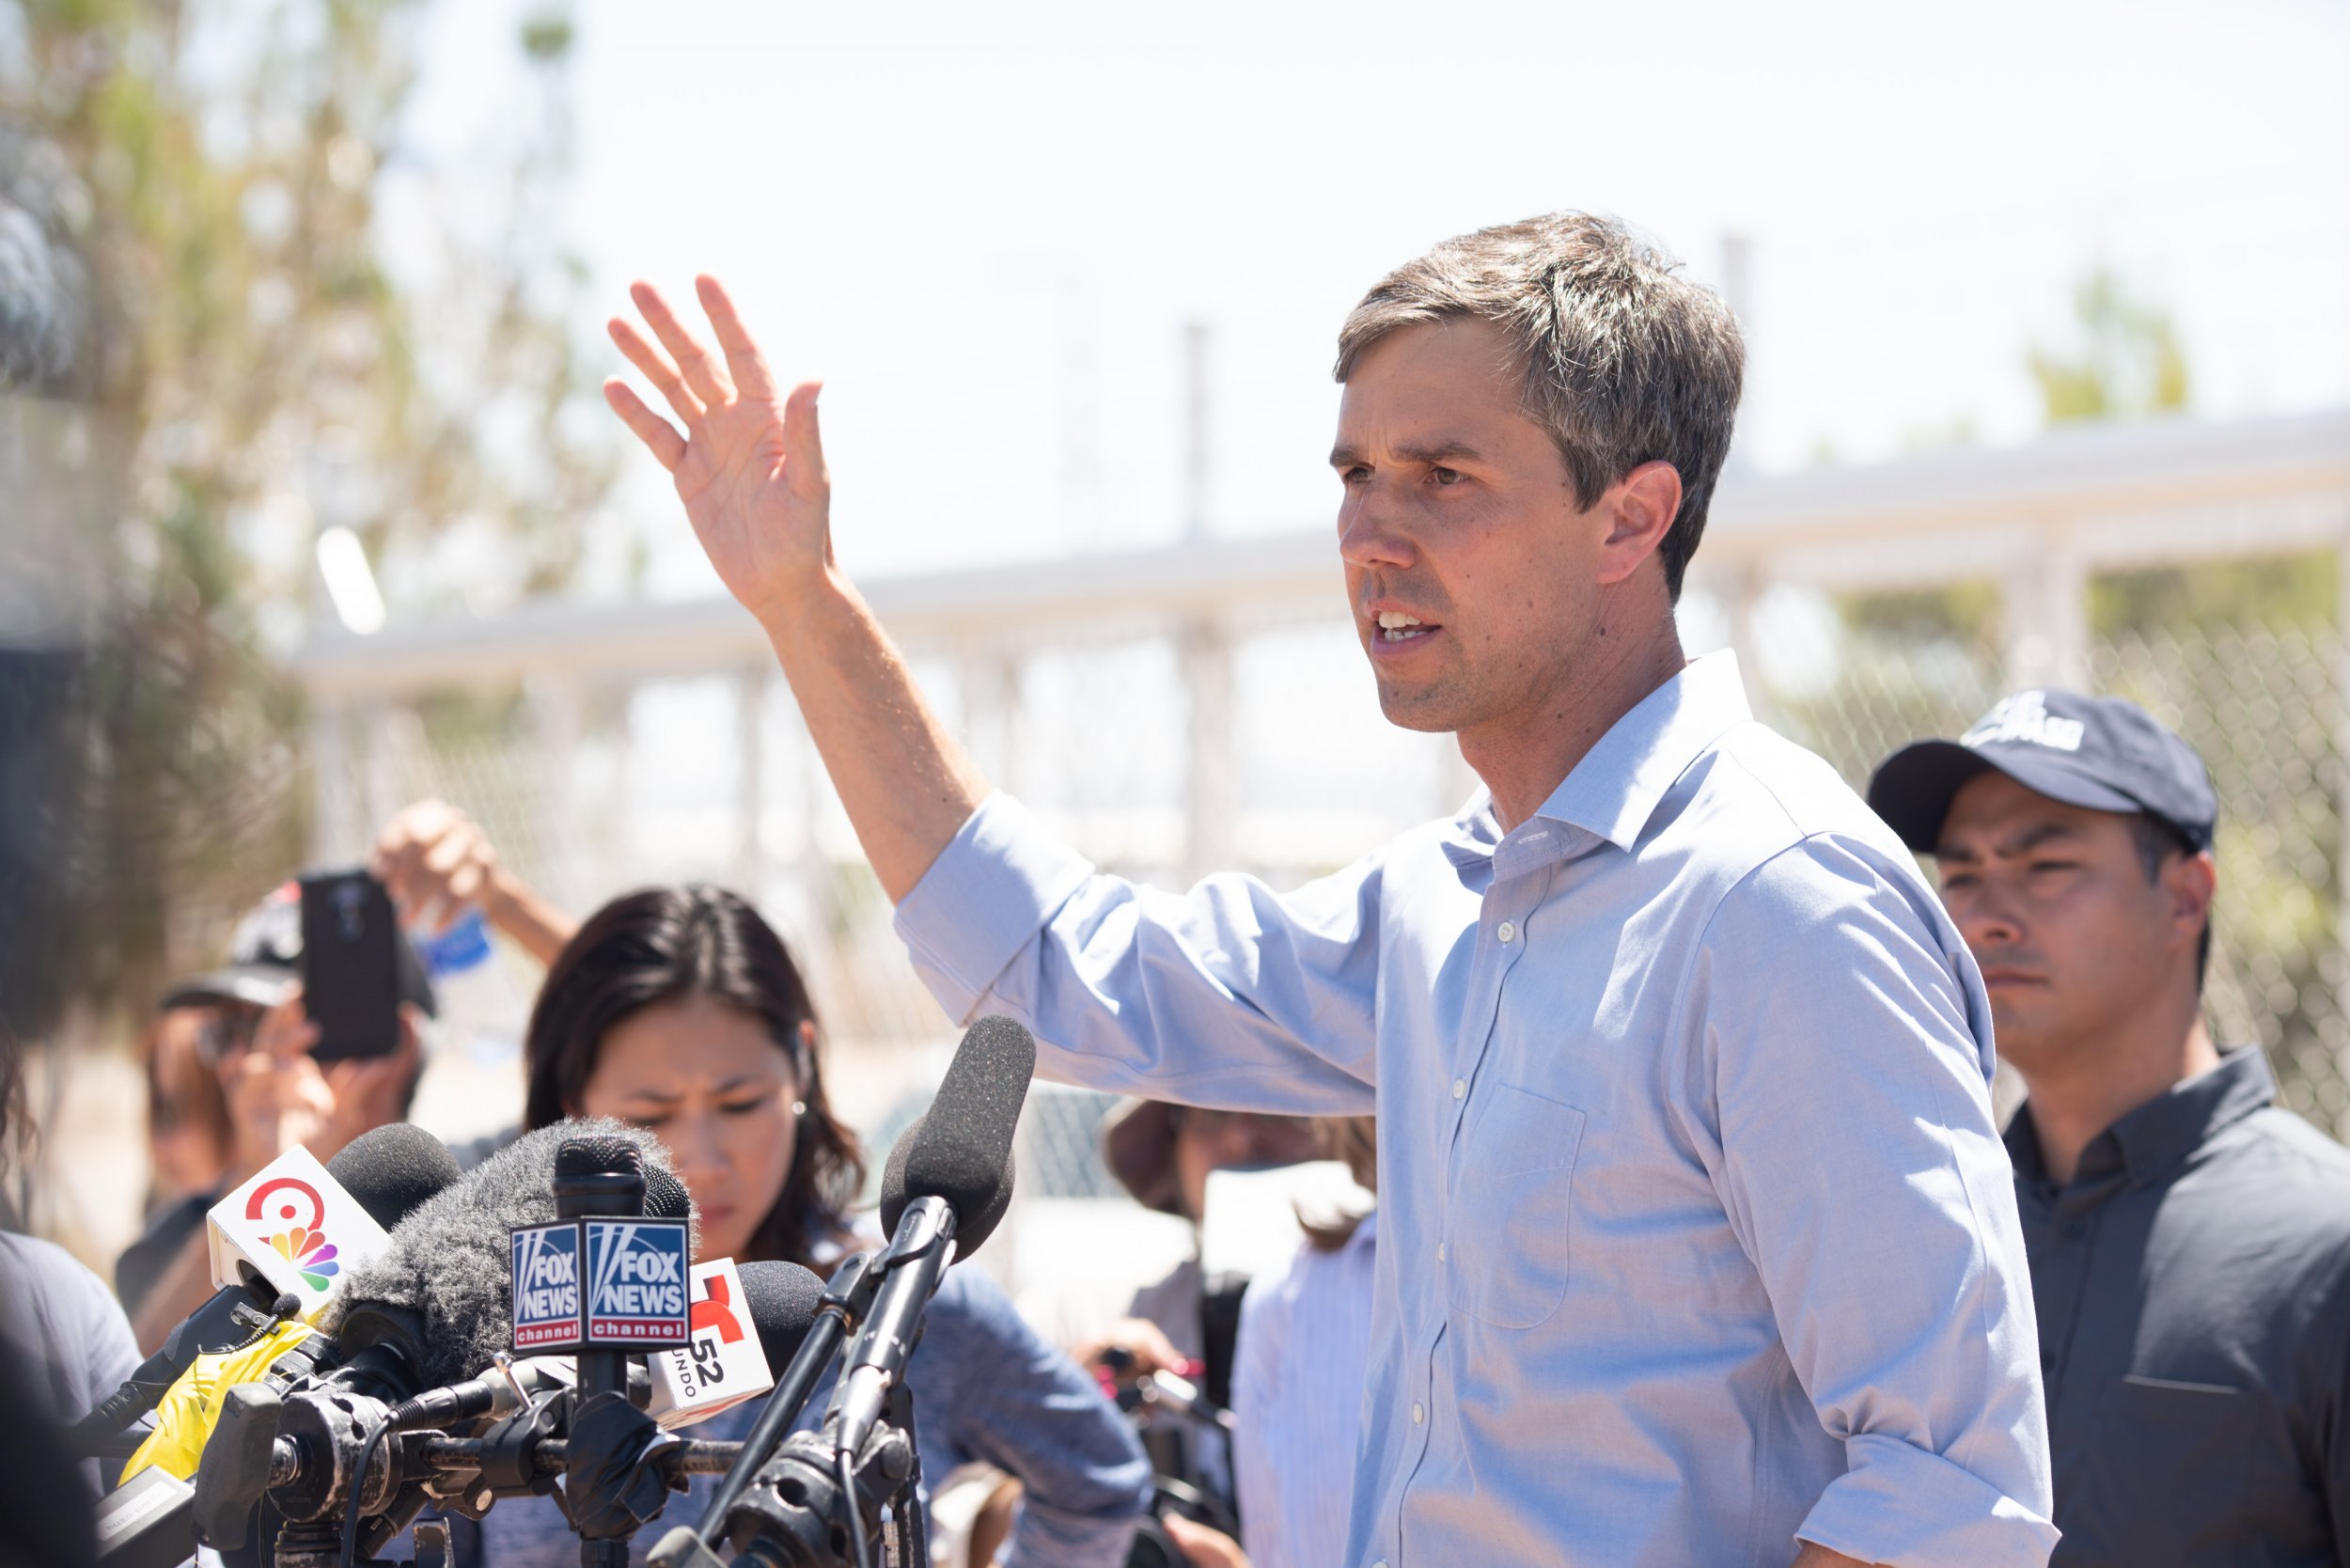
[
  {"x": 598, "y": 1179},
  {"x": 946, "y": 1186}
]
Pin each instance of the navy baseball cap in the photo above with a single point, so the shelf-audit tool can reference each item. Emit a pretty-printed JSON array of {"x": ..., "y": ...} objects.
[{"x": 2100, "y": 753}]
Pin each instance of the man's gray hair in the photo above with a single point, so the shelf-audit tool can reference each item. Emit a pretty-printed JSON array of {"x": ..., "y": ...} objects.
[{"x": 1625, "y": 361}]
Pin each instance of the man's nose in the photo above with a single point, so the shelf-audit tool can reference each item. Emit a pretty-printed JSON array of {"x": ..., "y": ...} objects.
[
  {"x": 1988, "y": 919},
  {"x": 1370, "y": 531}
]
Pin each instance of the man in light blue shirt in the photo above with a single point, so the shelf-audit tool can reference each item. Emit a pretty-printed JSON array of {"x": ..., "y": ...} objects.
[{"x": 1699, "y": 1244}]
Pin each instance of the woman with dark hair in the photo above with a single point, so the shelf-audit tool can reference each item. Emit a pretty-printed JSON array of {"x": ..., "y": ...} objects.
[{"x": 678, "y": 1010}]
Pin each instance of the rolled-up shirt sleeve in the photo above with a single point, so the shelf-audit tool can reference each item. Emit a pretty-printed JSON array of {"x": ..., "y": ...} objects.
[
  {"x": 1228, "y": 995},
  {"x": 1847, "y": 1118}
]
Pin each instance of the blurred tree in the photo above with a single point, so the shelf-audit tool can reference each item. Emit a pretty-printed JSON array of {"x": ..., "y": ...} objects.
[
  {"x": 2273, "y": 591},
  {"x": 232, "y": 180},
  {"x": 2126, "y": 362}
]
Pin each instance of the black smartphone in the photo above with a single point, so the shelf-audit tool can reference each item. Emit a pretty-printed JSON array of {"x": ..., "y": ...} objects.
[{"x": 349, "y": 965}]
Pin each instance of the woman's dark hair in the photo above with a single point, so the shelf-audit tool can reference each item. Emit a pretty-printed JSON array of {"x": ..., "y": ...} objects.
[{"x": 665, "y": 944}]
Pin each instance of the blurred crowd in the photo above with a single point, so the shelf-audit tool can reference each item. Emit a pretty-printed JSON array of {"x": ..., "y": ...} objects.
[
  {"x": 1206, "y": 1424},
  {"x": 680, "y": 1009}
]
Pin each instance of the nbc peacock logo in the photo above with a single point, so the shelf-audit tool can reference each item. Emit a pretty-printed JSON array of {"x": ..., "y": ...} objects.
[{"x": 303, "y": 1242}]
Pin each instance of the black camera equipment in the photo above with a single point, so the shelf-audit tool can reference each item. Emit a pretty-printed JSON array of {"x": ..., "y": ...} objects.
[
  {"x": 1157, "y": 1404},
  {"x": 329, "y": 1468},
  {"x": 348, "y": 1458}
]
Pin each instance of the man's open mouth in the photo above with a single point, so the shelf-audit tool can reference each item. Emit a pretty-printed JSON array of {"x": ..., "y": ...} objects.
[{"x": 1395, "y": 626}]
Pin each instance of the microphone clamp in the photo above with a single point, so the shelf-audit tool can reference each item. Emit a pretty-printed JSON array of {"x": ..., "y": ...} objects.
[{"x": 910, "y": 1267}]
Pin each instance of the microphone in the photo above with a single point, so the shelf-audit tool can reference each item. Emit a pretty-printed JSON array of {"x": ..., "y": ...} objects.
[
  {"x": 387, "y": 1172},
  {"x": 845, "y": 1298},
  {"x": 792, "y": 1500},
  {"x": 440, "y": 1296},
  {"x": 631, "y": 1292},
  {"x": 249, "y": 1330},
  {"x": 746, "y": 1320},
  {"x": 783, "y": 1300},
  {"x": 772, "y": 1305},
  {"x": 426, "y": 1312},
  {"x": 951, "y": 1172},
  {"x": 945, "y": 1187}
]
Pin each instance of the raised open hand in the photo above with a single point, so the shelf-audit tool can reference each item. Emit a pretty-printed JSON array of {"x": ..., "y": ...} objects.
[{"x": 750, "y": 466}]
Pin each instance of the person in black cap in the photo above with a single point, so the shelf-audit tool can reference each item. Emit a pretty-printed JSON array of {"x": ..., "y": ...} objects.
[
  {"x": 256, "y": 1036},
  {"x": 2189, "y": 1241}
]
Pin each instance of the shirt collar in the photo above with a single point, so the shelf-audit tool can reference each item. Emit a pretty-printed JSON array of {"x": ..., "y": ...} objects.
[
  {"x": 1617, "y": 786},
  {"x": 2160, "y": 1134}
]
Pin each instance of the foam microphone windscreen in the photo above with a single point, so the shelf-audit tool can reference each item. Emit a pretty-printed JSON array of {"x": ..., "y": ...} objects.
[
  {"x": 974, "y": 1220},
  {"x": 961, "y": 1149},
  {"x": 451, "y": 1261},
  {"x": 392, "y": 1170},
  {"x": 782, "y": 1300}
]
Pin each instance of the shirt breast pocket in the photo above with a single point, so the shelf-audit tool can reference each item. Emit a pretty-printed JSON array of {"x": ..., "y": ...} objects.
[
  {"x": 1512, "y": 1209},
  {"x": 2166, "y": 1482}
]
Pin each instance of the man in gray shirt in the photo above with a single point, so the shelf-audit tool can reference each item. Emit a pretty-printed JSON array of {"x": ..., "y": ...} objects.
[{"x": 2189, "y": 1242}]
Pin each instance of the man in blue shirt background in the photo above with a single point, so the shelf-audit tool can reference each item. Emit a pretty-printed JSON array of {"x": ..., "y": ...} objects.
[{"x": 1699, "y": 1242}]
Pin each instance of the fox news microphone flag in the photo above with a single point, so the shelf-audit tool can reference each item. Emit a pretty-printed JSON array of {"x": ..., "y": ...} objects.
[{"x": 601, "y": 1281}]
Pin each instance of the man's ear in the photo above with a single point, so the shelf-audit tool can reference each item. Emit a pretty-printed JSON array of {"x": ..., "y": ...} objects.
[
  {"x": 1639, "y": 510},
  {"x": 2190, "y": 882}
]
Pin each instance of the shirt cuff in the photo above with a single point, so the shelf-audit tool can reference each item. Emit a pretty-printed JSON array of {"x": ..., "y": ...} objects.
[
  {"x": 984, "y": 900},
  {"x": 1905, "y": 1507}
]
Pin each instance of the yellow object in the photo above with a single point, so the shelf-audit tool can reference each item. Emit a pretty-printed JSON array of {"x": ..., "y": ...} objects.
[{"x": 190, "y": 1408}]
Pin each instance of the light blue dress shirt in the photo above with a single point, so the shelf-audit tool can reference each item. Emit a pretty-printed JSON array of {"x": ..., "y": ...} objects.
[
  {"x": 1697, "y": 1234},
  {"x": 1297, "y": 1389}
]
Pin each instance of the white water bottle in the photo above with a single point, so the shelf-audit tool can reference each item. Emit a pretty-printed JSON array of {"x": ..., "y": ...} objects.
[{"x": 479, "y": 1005}]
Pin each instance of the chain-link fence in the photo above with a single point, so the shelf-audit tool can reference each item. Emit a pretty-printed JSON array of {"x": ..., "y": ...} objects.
[{"x": 1096, "y": 751}]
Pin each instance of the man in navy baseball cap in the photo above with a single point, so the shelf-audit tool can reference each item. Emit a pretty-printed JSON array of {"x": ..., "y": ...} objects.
[{"x": 2189, "y": 1241}]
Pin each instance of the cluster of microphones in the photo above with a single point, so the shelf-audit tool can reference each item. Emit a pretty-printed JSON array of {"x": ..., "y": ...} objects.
[{"x": 391, "y": 1337}]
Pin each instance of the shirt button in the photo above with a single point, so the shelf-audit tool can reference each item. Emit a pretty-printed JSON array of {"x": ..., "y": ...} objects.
[
  {"x": 1419, "y": 1413},
  {"x": 1507, "y": 931},
  {"x": 1440, "y": 1255},
  {"x": 2074, "y": 1230},
  {"x": 1459, "y": 1088}
]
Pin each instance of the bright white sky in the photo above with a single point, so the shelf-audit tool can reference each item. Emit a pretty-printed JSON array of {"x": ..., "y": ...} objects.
[{"x": 985, "y": 225}]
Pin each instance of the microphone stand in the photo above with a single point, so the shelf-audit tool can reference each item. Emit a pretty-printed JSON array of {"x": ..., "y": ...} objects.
[
  {"x": 848, "y": 1296},
  {"x": 814, "y": 1493},
  {"x": 600, "y": 1194},
  {"x": 837, "y": 1480}
]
